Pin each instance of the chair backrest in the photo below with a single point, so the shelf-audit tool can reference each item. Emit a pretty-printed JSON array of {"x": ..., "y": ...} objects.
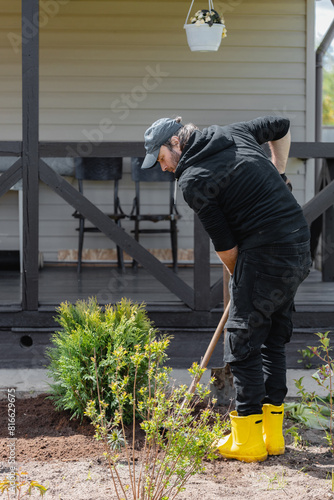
[
  {"x": 98, "y": 169},
  {"x": 154, "y": 174}
]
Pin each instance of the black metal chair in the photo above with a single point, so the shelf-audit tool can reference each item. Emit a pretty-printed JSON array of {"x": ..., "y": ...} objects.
[
  {"x": 99, "y": 169},
  {"x": 171, "y": 214}
]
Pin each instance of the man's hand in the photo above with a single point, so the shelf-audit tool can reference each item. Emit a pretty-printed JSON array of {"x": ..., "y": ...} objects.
[
  {"x": 280, "y": 152},
  {"x": 229, "y": 258},
  {"x": 287, "y": 181}
]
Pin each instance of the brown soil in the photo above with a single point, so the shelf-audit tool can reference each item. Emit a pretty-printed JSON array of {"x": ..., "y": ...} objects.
[{"x": 62, "y": 455}]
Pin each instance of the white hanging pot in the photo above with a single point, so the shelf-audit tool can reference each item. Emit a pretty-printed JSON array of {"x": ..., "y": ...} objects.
[{"x": 203, "y": 37}]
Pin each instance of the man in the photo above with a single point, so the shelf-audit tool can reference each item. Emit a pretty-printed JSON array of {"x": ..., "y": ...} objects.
[{"x": 261, "y": 236}]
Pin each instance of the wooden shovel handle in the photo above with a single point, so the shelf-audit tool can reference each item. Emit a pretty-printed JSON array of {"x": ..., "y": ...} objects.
[{"x": 211, "y": 347}]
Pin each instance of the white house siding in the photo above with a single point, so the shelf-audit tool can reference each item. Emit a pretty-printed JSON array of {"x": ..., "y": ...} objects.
[{"x": 109, "y": 69}]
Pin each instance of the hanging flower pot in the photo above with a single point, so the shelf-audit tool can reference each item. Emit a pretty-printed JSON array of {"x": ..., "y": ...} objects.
[
  {"x": 206, "y": 29},
  {"x": 204, "y": 38}
]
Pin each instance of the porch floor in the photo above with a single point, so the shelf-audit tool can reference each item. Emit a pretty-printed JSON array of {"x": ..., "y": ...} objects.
[
  {"x": 191, "y": 330},
  {"x": 109, "y": 285}
]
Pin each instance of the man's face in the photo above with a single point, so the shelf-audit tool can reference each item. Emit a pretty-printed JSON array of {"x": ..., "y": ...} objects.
[{"x": 169, "y": 159}]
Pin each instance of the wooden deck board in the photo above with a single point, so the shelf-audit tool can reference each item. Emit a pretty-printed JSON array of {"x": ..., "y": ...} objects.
[
  {"x": 315, "y": 292},
  {"x": 108, "y": 285},
  {"x": 191, "y": 330}
]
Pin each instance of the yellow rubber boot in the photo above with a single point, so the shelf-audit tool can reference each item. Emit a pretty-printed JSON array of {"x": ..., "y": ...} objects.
[
  {"x": 245, "y": 443},
  {"x": 273, "y": 429}
]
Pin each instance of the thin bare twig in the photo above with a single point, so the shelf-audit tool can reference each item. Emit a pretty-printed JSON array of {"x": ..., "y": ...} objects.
[
  {"x": 134, "y": 435},
  {"x": 105, "y": 440}
]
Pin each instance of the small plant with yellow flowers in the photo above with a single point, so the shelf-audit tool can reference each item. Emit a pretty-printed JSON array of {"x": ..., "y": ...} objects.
[
  {"x": 21, "y": 486},
  {"x": 178, "y": 436}
]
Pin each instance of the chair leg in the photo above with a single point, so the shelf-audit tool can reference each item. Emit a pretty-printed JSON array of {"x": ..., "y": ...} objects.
[
  {"x": 80, "y": 246},
  {"x": 173, "y": 235},
  {"x": 136, "y": 233},
  {"x": 120, "y": 259},
  {"x": 120, "y": 256}
]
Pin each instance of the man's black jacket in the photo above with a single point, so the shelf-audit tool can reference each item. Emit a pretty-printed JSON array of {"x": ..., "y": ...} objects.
[{"x": 238, "y": 194}]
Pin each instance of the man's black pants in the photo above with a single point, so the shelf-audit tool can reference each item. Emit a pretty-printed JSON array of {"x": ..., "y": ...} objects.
[{"x": 262, "y": 290}]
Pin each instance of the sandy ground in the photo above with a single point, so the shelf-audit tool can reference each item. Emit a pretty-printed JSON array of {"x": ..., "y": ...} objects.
[{"x": 62, "y": 455}]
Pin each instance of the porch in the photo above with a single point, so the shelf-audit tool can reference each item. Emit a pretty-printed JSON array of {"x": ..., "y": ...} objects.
[
  {"x": 23, "y": 343},
  {"x": 60, "y": 283},
  {"x": 187, "y": 304}
]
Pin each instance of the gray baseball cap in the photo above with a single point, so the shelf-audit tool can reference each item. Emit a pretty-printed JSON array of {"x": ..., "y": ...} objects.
[{"x": 155, "y": 136}]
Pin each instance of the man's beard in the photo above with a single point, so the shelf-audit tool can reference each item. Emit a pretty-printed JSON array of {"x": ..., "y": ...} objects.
[{"x": 175, "y": 157}]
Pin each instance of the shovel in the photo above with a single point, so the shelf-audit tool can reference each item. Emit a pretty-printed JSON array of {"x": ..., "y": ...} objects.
[
  {"x": 207, "y": 356},
  {"x": 210, "y": 349}
]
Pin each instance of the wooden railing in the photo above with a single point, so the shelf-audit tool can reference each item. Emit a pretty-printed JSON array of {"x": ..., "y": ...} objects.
[{"x": 202, "y": 297}]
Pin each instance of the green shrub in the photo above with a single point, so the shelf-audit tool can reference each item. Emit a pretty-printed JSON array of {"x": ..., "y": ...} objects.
[
  {"x": 83, "y": 351},
  {"x": 317, "y": 411},
  {"x": 180, "y": 430}
]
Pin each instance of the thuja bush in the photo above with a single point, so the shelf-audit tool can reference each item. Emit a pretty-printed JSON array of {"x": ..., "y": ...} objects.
[{"x": 83, "y": 350}]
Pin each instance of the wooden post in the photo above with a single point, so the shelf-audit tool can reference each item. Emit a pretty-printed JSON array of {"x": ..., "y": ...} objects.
[
  {"x": 201, "y": 266},
  {"x": 222, "y": 388},
  {"x": 226, "y": 291},
  {"x": 30, "y": 89},
  {"x": 328, "y": 234}
]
